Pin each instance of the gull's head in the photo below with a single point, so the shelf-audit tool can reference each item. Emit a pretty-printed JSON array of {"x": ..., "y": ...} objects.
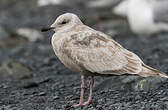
[{"x": 64, "y": 22}]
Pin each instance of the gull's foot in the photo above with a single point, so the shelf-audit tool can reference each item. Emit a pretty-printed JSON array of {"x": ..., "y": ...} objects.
[
  {"x": 77, "y": 105},
  {"x": 87, "y": 103}
]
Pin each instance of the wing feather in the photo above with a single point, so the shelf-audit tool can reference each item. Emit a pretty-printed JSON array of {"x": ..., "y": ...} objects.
[{"x": 97, "y": 53}]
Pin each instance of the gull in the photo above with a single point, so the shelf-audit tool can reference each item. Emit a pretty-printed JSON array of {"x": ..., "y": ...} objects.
[
  {"x": 48, "y": 2},
  {"x": 93, "y": 53},
  {"x": 42, "y": 3},
  {"x": 121, "y": 8},
  {"x": 102, "y": 4},
  {"x": 145, "y": 17}
]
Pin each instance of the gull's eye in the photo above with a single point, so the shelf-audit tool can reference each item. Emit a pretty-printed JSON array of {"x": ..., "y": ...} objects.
[{"x": 63, "y": 22}]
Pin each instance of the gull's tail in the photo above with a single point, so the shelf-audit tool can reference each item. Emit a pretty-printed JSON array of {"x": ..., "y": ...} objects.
[{"x": 149, "y": 71}]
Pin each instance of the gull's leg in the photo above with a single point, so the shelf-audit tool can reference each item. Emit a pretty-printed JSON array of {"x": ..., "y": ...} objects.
[
  {"x": 99, "y": 22},
  {"x": 91, "y": 88},
  {"x": 82, "y": 91}
]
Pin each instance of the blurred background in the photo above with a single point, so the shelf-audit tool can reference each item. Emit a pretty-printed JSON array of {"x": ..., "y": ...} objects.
[{"x": 31, "y": 76}]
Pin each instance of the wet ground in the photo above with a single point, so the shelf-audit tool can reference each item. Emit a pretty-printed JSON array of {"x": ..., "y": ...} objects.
[{"x": 32, "y": 78}]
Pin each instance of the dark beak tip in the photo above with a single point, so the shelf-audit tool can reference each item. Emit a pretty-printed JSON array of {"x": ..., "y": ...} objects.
[{"x": 46, "y": 29}]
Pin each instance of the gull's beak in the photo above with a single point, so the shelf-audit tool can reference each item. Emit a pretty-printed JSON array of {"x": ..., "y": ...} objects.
[{"x": 47, "y": 29}]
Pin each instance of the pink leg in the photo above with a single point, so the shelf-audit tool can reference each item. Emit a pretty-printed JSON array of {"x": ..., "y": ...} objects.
[
  {"x": 91, "y": 88},
  {"x": 82, "y": 91},
  {"x": 99, "y": 21}
]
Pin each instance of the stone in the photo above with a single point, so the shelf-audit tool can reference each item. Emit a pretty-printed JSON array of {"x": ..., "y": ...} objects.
[
  {"x": 42, "y": 94},
  {"x": 146, "y": 84},
  {"x": 30, "y": 84},
  {"x": 130, "y": 83},
  {"x": 55, "y": 97},
  {"x": 15, "y": 70},
  {"x": 36, "y": 100},
  {"x": 49, "y": 108}
]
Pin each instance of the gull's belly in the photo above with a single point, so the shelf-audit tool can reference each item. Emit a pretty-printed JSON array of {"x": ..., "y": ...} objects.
[
  {"x": 68, "y": 62},
  {"x": 63, "y": 57}
]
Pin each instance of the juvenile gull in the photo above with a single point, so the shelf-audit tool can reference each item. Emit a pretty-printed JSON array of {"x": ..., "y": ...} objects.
[{"x": 93, "y": 53}]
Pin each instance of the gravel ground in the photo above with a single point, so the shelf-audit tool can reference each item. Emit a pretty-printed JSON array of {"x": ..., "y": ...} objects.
[
  {"x": 52, "y": 86},
  {"x": 32, "y": 78}
]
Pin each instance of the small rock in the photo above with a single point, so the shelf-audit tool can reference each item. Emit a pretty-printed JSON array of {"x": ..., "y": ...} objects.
[
  {"x": 72, "y": 102},
  {"x": 130, "y": 83},
  {"x": 5, "y": 107},
  {"x": 55, "y": 97},
  {"x": 164, "y": 99},
  {"x": 31, "y": 34},
  {"x": 98, "y": 106},
  {"x": 15, "y": 70},
  {"x": 69, "y": 97},
  {"x": 100, "y": 101},
  {"x": 102, "y": 92},
  {"x": 44, "y": 80},
  {"x": 4, "y": 86},
  {"x": 36, "y": 100},
  {"x": 138, "y": 97},
  {"x": 66, "y": 107},
  {"x": 49, "y": 108},
  {"x": 27, "y": 85},
  {"x": 61, "y": 86},
  {"x": 92, "y": 108},
  {"x": 146, "y": 84},
  {"x": 42, "y": 94}
]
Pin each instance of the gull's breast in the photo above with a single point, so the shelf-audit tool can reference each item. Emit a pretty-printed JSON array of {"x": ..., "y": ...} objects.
[{"x": 58, "y": 47}]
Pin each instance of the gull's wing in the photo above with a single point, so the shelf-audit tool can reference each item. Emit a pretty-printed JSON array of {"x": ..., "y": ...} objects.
[
  {"x": 160, "y": 11},
  {"x": 96, "y": 52}
]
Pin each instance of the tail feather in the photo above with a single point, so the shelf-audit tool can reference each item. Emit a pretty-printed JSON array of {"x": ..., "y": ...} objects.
[{"x": 149, "y": 71}]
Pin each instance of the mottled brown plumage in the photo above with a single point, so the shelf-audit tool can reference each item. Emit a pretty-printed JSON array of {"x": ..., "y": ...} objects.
[{"x": 90, "y": 52}]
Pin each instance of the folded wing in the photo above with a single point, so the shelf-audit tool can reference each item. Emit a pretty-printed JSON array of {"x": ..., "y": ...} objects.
[{"x": 97, "y": 53}]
